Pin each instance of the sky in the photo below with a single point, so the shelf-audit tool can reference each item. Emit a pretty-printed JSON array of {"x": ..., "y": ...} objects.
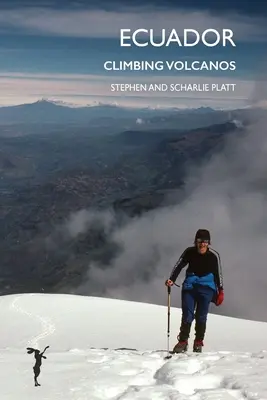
[
  {"x": 57, "y": 50},
  {"x": 86, "y": 360}
]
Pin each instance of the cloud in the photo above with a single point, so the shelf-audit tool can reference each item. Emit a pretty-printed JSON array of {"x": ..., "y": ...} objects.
[
  {"x": 227, "y": 196},
  {"x": 219, "y": 7},
  {"x": 77, "y": 224},
  {"x": 140, "y": 121},
  {"x": 17, "y": 88},
  {"x": 106, "y": 24}
]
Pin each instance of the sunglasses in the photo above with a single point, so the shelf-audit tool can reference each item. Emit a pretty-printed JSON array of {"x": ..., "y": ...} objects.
[{"x": 203, "y": 241}]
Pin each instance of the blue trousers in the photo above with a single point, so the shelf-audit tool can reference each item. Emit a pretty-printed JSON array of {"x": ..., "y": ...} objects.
[{"x": 195, "y": 303}]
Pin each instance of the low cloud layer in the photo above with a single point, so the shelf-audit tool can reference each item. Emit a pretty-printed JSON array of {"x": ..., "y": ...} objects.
[
  {"x": 228, "y": 196},
  {"x": 82, "y": 89}
]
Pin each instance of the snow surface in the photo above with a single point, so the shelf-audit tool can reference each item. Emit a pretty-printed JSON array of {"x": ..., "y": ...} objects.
[{"x": 83, "y": 364}]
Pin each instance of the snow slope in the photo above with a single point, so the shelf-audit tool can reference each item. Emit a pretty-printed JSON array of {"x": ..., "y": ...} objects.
[{"x": 78, "y": 329}]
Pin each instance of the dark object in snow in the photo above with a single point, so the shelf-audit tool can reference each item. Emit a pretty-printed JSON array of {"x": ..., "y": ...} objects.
[{"x": 38, "y": 357}]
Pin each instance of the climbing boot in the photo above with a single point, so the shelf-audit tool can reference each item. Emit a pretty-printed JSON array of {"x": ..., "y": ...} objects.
[
  {"x": 197, "y": 346},
  {"x": 181, "y": 347}
]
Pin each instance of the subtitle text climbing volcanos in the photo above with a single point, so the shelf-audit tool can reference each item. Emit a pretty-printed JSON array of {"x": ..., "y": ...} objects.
[
  {"x": 188, "y": 38},
  {"x": 170, "y": 65}
]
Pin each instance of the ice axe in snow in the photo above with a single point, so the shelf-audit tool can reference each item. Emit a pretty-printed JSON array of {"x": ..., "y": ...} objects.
[{"x": 169, "y": 320}]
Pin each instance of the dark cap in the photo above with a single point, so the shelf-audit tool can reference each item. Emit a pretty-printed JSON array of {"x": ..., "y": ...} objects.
[{"x": 202, "y": 234}]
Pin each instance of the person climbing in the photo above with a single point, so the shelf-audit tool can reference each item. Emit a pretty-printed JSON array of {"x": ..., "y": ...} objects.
[
  {"x": 38, "y": 357},
  {"x": 203, "y": 284}
]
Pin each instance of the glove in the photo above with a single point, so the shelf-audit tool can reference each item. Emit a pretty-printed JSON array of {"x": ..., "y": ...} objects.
[
  {"x": 220, "y": 297},
  {"x": 168, "y": 282}
]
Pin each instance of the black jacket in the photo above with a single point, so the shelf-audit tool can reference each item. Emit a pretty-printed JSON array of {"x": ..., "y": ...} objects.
[{"x": 199, "y": 264}]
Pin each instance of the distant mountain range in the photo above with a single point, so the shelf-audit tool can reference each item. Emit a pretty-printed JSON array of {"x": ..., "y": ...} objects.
[
  {"x": 45, "y": 111},
  {"x": 33, "y": 118}
]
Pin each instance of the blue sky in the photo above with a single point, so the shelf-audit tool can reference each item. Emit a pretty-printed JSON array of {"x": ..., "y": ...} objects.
[{"x": 57, "y": 48}]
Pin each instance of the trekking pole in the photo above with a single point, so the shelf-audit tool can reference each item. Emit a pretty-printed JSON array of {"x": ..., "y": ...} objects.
[
  {"x": 169, "y": 319},
  {"x": 168, "y": 325}
]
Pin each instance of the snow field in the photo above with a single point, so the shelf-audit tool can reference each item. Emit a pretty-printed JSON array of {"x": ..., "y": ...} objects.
[{"x": 77, "y": 367}]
